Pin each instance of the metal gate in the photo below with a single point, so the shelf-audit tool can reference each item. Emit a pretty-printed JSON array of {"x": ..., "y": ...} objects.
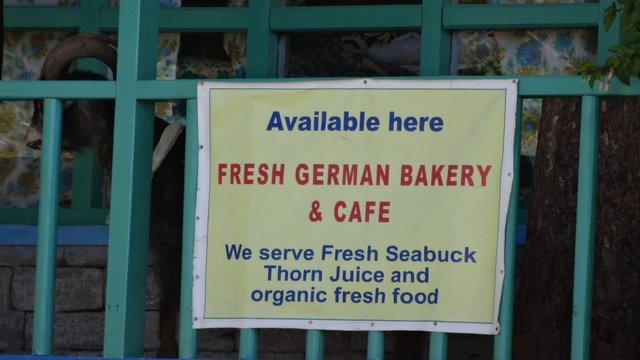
[{"x": 138, "y": 22}]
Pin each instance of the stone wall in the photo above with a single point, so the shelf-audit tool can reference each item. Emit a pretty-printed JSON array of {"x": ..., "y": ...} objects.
[
  {"x": 79, "y": 300},
  {"x": 79, "y": 317}
]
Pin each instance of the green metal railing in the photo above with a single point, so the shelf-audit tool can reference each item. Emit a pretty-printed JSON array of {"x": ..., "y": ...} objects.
[{"x": 138, "y": 22}]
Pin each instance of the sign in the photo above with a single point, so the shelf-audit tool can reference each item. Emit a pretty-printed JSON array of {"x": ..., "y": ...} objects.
[{"x": 353, "y": 204}]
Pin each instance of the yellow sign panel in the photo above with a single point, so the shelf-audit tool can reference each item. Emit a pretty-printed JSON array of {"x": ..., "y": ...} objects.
[{"x": 356, "y": 204}]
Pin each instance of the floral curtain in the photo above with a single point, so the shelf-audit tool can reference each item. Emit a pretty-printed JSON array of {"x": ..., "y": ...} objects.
[
  {"x": 23, "y": 54},
  {"x": 523, "y": 52}
]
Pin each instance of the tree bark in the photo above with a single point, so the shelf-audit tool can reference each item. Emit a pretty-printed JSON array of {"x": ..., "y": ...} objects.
[{"x": 544, "y": 296}]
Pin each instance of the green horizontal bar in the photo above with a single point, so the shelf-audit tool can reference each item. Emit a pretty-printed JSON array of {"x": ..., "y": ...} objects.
[
  {"x": 346, "y": 18},
  {"x": 66, "y": 216},
  {"x": 205, "y": 19},
  {"x": 531, "y": 16},
  {"x": 318, "y": 18},
  {"x": 187, "y": 19},
  {"x": 539, "y": 86},
  {"x": 26, "y": 89},
  {"x": 529, "y": 86},
  {"x": 166, "y": 89},
  {"x": 41, "y": 17}
]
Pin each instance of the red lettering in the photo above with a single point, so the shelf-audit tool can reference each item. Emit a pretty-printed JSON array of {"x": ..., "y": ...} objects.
[
  {"x": 235, "y": 173},
  {"x": 451, "y": 175},
  {"x": 383, "y": 216},
  {"x": 277, "y": 174},
  {"x": 248, "y": 174},
  {"x": 422, "y": 176},
  {"x": 355, "y": 215},
  {"x": 263, "y": 174},
  {"x": 317, "y": 174},
  {"x": 382, "y": 175},
  {"x": 349, "y": 174},
  {"x": 405, "y": 175},
  {"x": 436, "y": 174},
  {"x": 370, "y": 211},
  {"x": 302, "y": 175},
  {"x": 339, "y": 205},
  {"x": 467, "y": 172},
  {"x": 332, "y": 174},
  {"x": 366, "y": 179},
  {"x": 484, "y": 173},
  {"x": 221, "y": 172}
]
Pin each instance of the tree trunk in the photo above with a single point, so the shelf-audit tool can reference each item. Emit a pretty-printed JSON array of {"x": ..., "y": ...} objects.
[{"x": 544, "y": 297}]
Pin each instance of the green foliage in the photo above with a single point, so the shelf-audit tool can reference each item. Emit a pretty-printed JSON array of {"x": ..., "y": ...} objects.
[{"x": 624, "y": 62}]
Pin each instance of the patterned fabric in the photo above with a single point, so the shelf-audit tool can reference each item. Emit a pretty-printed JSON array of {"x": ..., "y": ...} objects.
[
  {"x": 20, "y": 165},
  {"x": 524, "y": 52},
  {"x": 329, "y": 55},
  {"x": 200, "y": 68},
  {"x": 235, "y": 44},
  {"x": 24, "y": 53}
]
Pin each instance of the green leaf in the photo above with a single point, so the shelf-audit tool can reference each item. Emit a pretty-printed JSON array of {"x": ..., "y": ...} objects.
[
  {"x": 623, "y": 75},
  {"x": 635, "y": 66},
  {"x": 610, "y": 16}
]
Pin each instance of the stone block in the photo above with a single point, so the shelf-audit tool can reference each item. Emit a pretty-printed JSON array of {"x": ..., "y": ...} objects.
[
  {"x": 77, "y": 289},
  {"x": 467, "y": 346},
  {"x": 359, "y": 340},
  {"x": 345, "y": 355},
  {"x": 73, "y": 331},
  {"x": 88, "y": 354},
  {"x": 85, "y": 256},
  {"x": 282, "y": 356},
  {"x": 217, "y": 356},
  {"x": 11, "y": 330},
  {"x": 336, "y": 340},
  {"x": 23, "y": 255},
  {"x": 217, "y": 340},
  {"x": 282, "y": 340},
  {"x": 5, "y": 289}
]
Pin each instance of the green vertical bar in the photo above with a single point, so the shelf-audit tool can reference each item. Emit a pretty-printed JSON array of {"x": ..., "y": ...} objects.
[
  {"x": 434, "y": 60},
  {"x": 262, "y": 50},
  {"x": 47, "y": 229},
  {"x": 435, "y": 48},
  {"x": 315, "y": 345},
  {"x": 262, "y": 44},
  {"x": 375, "y": 345},
  {"x": 503, "y": 341},
  {"x": 189, "y": 336},
  {"x": 248, "y": 344},
  {"x": 129, "y": 230},
  {"x": 438, "y": 346},
  {"x": 87, "y": 175},
  {"x": 585, "y": 228}
]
